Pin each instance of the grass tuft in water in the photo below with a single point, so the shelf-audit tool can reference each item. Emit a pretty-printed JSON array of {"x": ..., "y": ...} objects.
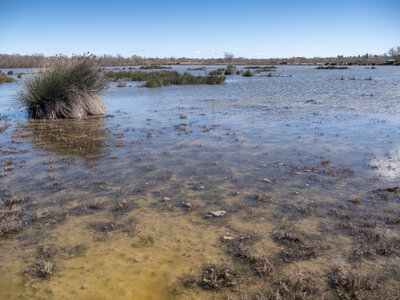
[
  {"x": 67, "y": 88},
  {"x": 247, "y": 73}
]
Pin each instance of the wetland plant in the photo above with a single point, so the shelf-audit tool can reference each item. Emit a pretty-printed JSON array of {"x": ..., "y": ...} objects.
[
  {"x": 217, "y": 72},
  {"x": 5, "y": 79},
  {"x": 155, "y": 79},
  {"x": 43, "y": 269},
  {"x": 247, "y": 73},
  {"x": 331, "y": 68},
  {"x": 258, "y": 262},
  {"x": 351, "y": 284},
  {"x": 299, "y": 285},
  {"x": 211, "y": 276},
  {"x": 67, "y": 88}
]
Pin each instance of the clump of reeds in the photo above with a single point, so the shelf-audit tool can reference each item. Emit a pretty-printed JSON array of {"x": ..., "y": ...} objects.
[
  {"x": 5, "y": 79},
  {"x": 67, "y": 88},
  {"x": 163, "y": 78},
  {"x": 247, "y": 73},
  {"x": 217, "y": 72}
]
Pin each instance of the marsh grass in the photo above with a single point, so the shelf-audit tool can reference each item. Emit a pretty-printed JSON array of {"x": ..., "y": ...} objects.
[
  {"x": 67, "y": 88},
  {"x": 331, "y": 68},
  {"x": 163, "y": 78},
  {"x": 5, "y": 79},
  {"x": 153, "y": 67},
  {"x": 247, "y": 73},
  {"x": 217, "y": 72}
]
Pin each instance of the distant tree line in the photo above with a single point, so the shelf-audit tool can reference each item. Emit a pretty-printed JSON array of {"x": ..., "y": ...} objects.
[{"x": 39, "y": 60}]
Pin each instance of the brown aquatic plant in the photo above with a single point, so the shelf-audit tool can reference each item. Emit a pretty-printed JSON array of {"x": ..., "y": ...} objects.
[
  {"x": 43, "y": 269},
  {"x": 258, "y": 262},
  {"x": 299, "y": 285},
  {"x": 211, "y": 276},
  {"x": 10, "y": 224},
  {"x": 121, "y": 206},
  {"x": 350, "y": 284}
]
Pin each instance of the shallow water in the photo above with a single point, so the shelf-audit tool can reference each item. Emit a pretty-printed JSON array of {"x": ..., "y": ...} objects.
[{"x": 308, "y": 141}]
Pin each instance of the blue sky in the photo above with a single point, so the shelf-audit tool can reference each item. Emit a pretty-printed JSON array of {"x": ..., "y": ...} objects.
[{"x": 279, "y": 28}]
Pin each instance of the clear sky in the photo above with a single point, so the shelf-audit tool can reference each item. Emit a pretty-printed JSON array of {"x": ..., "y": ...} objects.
[{"x": 202, "y": 28}]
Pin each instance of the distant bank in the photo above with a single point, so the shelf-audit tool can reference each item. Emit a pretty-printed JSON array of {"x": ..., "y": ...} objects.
[{"x": 33, "y": 61}]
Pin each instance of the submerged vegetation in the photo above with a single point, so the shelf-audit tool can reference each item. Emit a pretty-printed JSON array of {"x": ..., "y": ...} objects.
[
  {"x": 67, "y": 88},
  {"x": 163, "y": 78}
]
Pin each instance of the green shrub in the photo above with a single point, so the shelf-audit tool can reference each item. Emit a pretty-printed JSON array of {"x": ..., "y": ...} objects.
[{"x": 67, "y": 88}]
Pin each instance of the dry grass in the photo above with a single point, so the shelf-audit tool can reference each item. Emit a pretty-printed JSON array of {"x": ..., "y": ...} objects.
[
  {"x": 351, "y": 284},
  {"x": 211, "y": 276},
  {"x": 43, "y": 269}
]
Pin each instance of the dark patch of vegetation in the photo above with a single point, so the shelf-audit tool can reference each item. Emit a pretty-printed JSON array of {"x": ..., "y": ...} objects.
[
  {"x": 248, "y": 73},
  {"x": 10, "y": 72},
  {"x": 230, "y": 70},
  {"x": 259, "y": 67},
  {"x": 260, "y": 197},
  {"x": 258, "y": 262},
  {"x": 197, "y": 69},
  {"x": 10, "y": 223},
  {"x": 67, "y": 88},
  {"x": 297, "y": 286},
  {"x": 154, "y": 67},
  {"x": 164, "y": 78},
  {"x": 297, "y": 247},
  {"x": 43, "y": 269},
  {"x": 94, "y": 205},
  {"x": 121, "y": 84},
  {"x": 211, "y": 276},
  {"x": 331, "y": 68},
  {"x": 351, "y": 284},
  {"x": 121, "y": 206},
  {"x": 11, "y": 214},
  {"x": 5, "y": 79},
  {"x": 217, "y": 72}
]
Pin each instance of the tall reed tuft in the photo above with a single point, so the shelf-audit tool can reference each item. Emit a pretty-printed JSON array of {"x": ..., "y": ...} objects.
[{"x": 66, "y": 88}]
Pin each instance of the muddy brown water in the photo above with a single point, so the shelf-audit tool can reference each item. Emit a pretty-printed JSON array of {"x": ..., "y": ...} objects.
[{"x": 120, "y": 202}]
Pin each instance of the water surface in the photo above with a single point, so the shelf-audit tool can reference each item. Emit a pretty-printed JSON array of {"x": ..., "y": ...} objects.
[{"x": 308, "y": 141}]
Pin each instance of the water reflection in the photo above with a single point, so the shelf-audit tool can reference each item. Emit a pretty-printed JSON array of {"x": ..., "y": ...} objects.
[{"x": 86, "y": 138}]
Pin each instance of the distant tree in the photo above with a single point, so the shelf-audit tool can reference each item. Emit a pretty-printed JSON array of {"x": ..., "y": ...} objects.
[
  {"x": 395, "y": 53},
  {"x": 229, "y": 56}
]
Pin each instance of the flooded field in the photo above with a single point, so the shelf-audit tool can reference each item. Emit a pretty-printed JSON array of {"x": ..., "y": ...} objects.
[{"x": 281, "y": 186}]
